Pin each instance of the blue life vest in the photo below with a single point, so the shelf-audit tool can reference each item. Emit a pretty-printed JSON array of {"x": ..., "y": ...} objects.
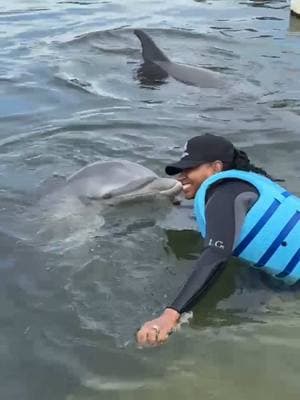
[{"x": 270, "y": 235}]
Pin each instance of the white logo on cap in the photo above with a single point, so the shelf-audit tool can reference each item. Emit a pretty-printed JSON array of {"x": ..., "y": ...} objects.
[{"x": 185, "y": 153}]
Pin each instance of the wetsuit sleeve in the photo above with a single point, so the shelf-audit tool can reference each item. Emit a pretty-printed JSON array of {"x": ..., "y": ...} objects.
[{"x": 225, "y": 212}]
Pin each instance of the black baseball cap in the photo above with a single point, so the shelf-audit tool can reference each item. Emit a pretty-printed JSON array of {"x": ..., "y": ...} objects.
[{"x": 200, "y": 150}]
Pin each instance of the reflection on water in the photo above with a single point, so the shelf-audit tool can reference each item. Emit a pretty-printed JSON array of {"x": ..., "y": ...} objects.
[{"x": 73, "y": 291}]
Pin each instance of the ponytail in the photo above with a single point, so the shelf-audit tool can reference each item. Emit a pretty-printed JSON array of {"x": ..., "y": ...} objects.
[{"x": 241, "y": 162}]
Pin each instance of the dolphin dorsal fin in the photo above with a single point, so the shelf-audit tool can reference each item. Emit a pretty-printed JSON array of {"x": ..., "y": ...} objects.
[{"x": 150, "y": 51}]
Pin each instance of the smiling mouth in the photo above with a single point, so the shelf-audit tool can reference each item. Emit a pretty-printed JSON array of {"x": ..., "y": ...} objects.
[{"x": 186, "y": 187}]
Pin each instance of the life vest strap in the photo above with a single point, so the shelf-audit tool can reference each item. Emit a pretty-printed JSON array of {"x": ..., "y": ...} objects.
[
  {"x": 290, "y": 266},
  {"x": 257, "y": 228},
  {"x": 279, "y": 239}
]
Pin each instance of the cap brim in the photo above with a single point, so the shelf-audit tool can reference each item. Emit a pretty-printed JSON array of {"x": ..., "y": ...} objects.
[{"x": 178, "y": 167}]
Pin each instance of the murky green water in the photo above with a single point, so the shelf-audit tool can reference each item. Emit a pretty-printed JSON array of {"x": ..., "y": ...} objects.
[{"x": 72, "y": 296}]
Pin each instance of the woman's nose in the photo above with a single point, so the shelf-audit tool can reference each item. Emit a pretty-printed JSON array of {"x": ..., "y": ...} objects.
[{"x": 181, "y": 176}]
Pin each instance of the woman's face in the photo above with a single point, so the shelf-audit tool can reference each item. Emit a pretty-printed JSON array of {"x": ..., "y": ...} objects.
[{"x": 192, "y": 178}]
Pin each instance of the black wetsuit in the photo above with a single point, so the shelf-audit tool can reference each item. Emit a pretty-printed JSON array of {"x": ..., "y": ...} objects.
[{"x": 227, "y": 204}]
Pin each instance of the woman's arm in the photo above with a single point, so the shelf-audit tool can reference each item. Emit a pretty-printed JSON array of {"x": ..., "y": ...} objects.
[
  {"x": 226, "y": 207},
  {"x": 225, "y": 212}
]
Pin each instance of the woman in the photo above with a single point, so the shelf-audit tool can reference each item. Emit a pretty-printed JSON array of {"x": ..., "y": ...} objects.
[{"x": 240, "y": 211}]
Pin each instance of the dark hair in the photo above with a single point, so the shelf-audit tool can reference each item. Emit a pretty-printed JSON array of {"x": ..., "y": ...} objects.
[{"x": 241, "y": 161}]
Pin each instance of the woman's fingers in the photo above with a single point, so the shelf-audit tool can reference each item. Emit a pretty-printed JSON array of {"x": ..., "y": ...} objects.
[
  {"x": 162, "y": 336},
  {"x": 147, "y": 335},
  {"x": 141, "y": 336},
  {"x": 151, "y": 337},
  {"x": 156, "y": 337},
  {"x": 157, "y": 331}
]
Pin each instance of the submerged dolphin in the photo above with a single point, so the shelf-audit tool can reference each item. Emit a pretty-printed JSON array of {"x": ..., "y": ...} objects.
[
  {"x": 162, "y": 66},
  {"x": 119, "y": 180},
  {"x": 66, "y": 213},
  {"x": 69, "y": 211}
]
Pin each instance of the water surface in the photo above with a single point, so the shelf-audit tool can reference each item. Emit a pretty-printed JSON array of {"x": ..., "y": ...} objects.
[{"x": 73, "y": 293}]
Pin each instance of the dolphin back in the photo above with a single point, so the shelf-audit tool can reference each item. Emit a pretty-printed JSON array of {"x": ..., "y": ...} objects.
[{"x": 151, "y": 52}]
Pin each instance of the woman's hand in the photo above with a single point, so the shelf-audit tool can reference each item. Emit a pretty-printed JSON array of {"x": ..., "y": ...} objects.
[{"x": 157, "y": 331}]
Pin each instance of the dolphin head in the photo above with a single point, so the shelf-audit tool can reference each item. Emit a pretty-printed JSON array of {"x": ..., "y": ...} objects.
[{"x": 120, "y": 180}]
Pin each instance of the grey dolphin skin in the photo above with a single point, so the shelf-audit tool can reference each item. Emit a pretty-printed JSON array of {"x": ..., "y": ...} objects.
[
  {"x": 189, "y": 75},
  {"x": 120, "y": 180}
]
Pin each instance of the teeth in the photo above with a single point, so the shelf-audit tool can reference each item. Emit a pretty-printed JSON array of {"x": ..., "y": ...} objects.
[{"x": 186, "y": 187}]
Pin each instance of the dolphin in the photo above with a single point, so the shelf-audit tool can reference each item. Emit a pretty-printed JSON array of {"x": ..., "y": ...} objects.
[
  {"x": 119, "y": 180},
  {"x": 70, "y": 210},
  {"x": 158, "y": 66}
]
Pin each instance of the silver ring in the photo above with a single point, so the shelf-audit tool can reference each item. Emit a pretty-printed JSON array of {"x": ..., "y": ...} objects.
[{"x": 156, "y": 328}]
